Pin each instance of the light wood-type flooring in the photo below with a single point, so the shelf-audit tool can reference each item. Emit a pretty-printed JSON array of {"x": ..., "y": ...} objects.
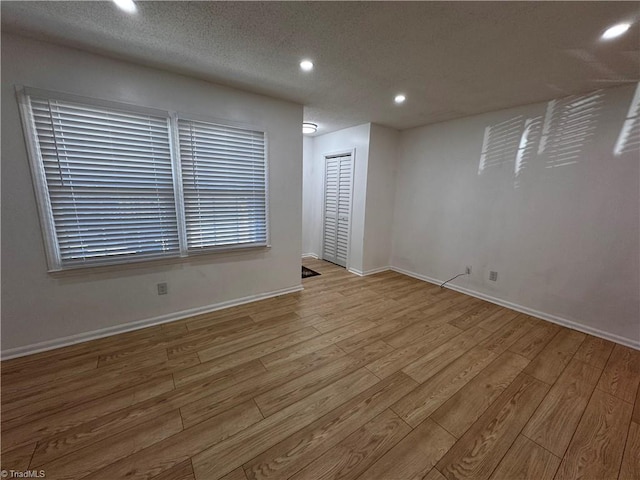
[{"x": 379, "y": 377}]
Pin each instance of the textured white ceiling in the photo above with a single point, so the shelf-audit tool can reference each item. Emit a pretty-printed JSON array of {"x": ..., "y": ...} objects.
[{"x": 452, "y": 59}]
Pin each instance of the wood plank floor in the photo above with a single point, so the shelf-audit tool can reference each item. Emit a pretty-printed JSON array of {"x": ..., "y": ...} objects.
[{"x": 379, "y": 377}]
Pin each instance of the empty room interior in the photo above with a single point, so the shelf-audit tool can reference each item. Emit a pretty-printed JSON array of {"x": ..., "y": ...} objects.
[{"x": 320, "y": 240}]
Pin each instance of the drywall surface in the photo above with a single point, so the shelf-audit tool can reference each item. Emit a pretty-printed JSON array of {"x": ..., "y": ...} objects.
[
  {"x": 311, "y": 182},
  {"x": 546, "y": 195},
  {"x": 342, "y": 141},
  {"x": 40, "y": 307},
  {"x": 383, "y": 151}
]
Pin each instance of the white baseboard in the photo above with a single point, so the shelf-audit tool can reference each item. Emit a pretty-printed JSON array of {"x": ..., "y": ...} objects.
[
  {"x": 368, "y": 272},
  {"x": 137, "y": 325},
  {"x": 376, "y": 270},
  {"x": 310, "y": 255},
  {"x": 529, "y": 311}
]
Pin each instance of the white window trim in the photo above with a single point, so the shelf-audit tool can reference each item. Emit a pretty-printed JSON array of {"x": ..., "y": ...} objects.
[
  {"x": 41, "y": 190},
  {"x": 177, "y": 183},
  {"x": 45, "y": 212}
]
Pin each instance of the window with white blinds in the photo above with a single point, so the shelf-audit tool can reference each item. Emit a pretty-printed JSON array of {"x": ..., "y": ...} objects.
[
  {"x": 112, "y": 186},
  {"x": 224, "y": 185}
]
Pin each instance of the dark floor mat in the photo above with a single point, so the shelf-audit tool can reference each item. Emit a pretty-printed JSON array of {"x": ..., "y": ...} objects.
[{"x": 307, "y": 272}]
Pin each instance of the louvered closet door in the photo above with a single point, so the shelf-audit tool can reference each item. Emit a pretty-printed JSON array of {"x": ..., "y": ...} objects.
[{"x": 337, "y": 209}]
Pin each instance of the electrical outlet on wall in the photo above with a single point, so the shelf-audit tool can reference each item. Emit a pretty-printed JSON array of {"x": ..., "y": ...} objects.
[
  {"x": 468, "y": 270},
  {"x": 162, "y": 289},
  {"x": 493, "y": 276}
]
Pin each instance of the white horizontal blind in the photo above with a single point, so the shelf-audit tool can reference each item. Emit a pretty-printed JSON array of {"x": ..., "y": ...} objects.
[
  {"x": 224, "y": 185},
  {"x": 109, "y": 181}
]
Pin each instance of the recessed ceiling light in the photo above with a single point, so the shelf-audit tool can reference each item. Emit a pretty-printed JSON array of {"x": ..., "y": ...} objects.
[
  {"x": 306, "y": 65},
  {"x": 126, "y": 5},
  {"x": 400, "y": 98},
  {"x": 615, "y": 31},
  {"x": 308, "y": 127}
]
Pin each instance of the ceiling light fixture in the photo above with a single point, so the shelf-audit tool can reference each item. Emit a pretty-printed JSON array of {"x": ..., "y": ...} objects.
[
  {"x": 308, "y": 127},
  {"x": 615, "y": 31},
  {"x": 306, "y": 65},
  {"x": 400, "y": 98},
  {"x": 126, "y": 5}
]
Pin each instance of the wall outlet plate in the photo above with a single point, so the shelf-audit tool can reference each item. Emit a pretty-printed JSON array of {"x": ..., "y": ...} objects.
[
  {"x": 493, "y": 276},
  {"x": 162, "y": 289}
]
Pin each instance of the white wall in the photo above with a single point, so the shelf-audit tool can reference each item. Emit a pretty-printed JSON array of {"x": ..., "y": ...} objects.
[
  {"x": 564, "y": 240},
  {"x": 40, "y": 307},
  {"x": 310, "y": 209},
  {"x": 383, "y": 150},
  {"x": 337, "y": 142}
]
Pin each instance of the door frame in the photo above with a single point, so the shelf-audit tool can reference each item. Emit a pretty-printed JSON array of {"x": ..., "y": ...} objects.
[{"x": 337, "y": 153}]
